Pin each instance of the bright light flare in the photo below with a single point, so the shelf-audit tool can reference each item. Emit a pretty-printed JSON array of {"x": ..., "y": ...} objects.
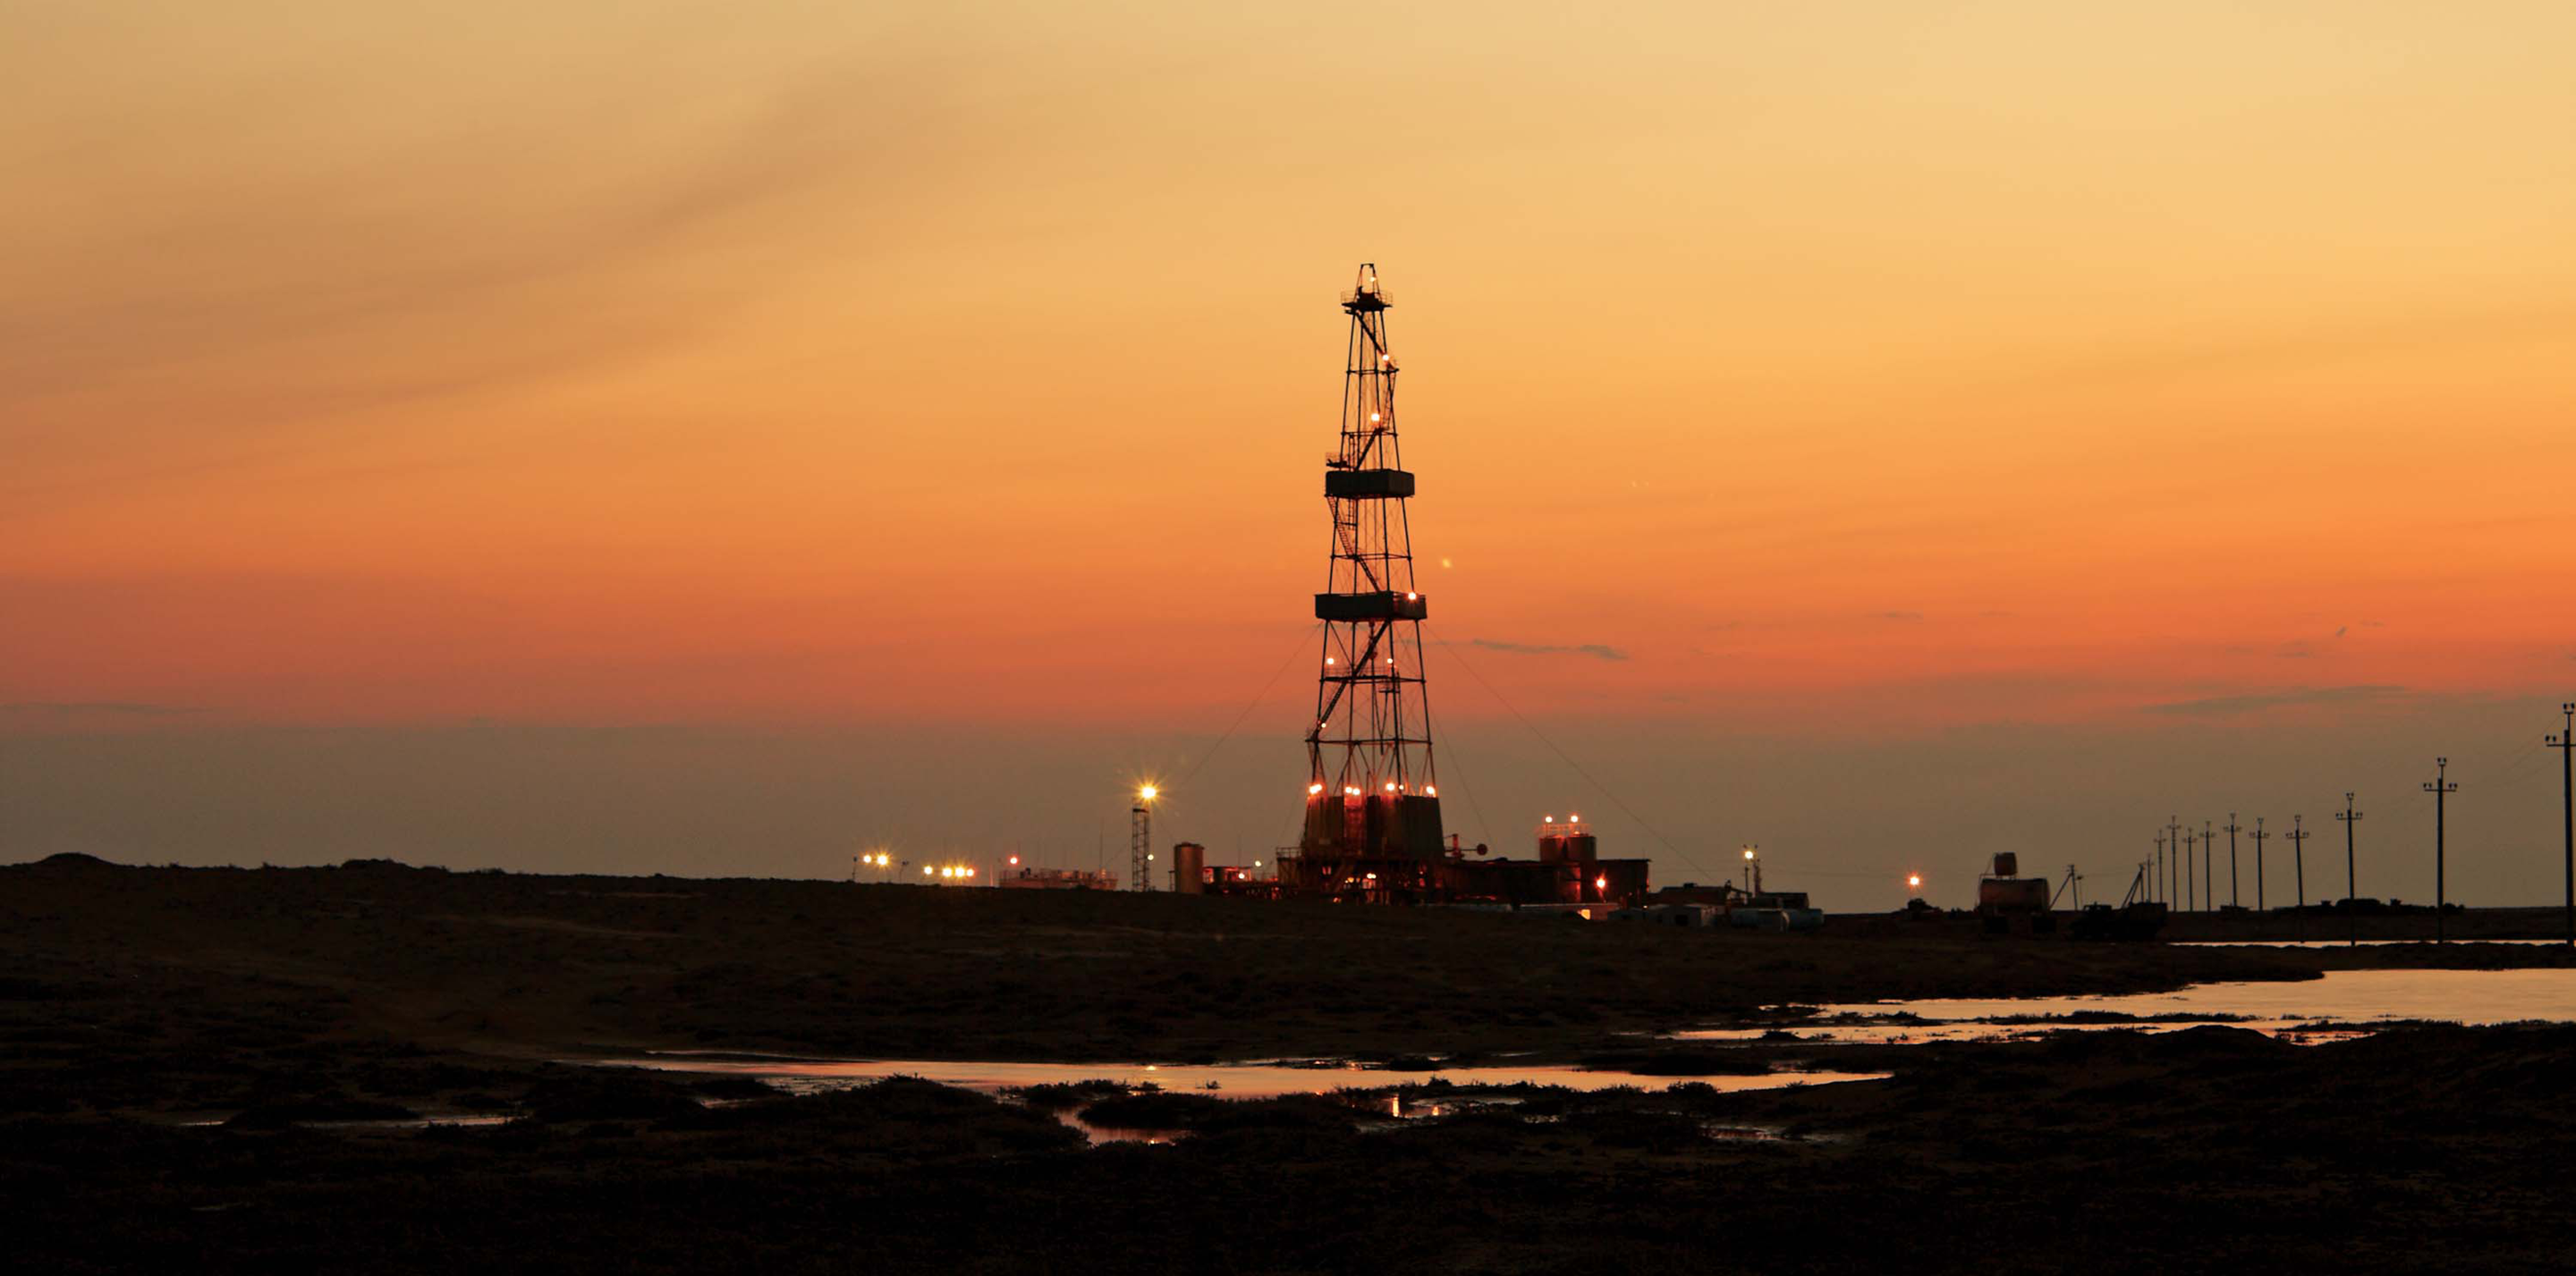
[{"x": 1148, "y": 792}]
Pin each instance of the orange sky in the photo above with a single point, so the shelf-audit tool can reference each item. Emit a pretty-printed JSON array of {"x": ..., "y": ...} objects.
[{"x": 820, "y": 366}]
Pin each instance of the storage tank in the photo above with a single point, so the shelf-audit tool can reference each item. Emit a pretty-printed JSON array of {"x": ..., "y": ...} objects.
[
  {"x": 1189, "y": 869},
  {"x": 2012, "y": 895}
]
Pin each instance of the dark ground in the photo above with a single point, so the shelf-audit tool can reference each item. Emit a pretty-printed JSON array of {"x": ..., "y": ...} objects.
[{"x": 131, "y": 999}]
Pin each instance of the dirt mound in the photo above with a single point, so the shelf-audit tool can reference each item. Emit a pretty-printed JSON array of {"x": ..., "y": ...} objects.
[{"x": 72, "y": 861}]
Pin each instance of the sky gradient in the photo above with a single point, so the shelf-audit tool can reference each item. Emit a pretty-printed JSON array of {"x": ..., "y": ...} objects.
[{"x": 1886, "y": 432}]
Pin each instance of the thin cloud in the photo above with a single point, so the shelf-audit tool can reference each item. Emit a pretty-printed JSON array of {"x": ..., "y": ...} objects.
[
  {"x": 122, "y": 708},
  {"x": 1906, "y": 616},
  {"x": 1597, "y": 651},
  {"x": 2256, "y": 702}
]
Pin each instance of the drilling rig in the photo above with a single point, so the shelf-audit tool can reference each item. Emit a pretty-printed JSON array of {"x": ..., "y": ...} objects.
[{"x": 1372, "y": 823}]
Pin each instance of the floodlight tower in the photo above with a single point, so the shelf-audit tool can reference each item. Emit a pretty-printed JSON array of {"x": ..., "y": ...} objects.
[
  {"x": 1140, "y": 839},
  {"x": 1372, "y": 797}
]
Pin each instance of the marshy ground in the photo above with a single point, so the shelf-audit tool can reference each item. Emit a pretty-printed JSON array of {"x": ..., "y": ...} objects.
[{"x": 307, "y": 1011}]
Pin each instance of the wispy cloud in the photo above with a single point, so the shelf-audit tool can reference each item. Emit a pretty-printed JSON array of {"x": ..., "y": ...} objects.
[
  {"x": 2258, "y": 701},
  {"x": 122, "y": 708},
  {"x": 1595, "y": 650},
  {"x": 1900, "y": 615}
]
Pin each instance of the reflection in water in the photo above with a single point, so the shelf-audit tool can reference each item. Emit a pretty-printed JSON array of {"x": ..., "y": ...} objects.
[
  {"x": 1099, "y": 1134},
  {"x": 2341, "y": 943},
  {"x": 2289, "y": 1009},
  {"x": 1233, "y": 1080}
]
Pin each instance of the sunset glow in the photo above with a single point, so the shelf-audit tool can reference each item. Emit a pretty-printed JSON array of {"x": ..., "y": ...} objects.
[{"x": 1794, "y": 373}]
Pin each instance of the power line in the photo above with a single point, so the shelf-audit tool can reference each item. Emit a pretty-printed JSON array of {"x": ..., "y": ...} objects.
[
  {"x": 1257, "y": 698},
  {"x": 1615, "y": 800}
]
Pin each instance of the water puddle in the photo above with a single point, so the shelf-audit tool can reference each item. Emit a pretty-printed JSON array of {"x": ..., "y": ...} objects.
[
  {"x": 2340, "y": 943},
  {"x": 1260, "y": 1080},
  {"x": 202, "y": 1120},
  {"x": 1266, "y": 1080},
  {"x": 1099, "y": 1134},
  {"x": 2344, "y": 1004}
]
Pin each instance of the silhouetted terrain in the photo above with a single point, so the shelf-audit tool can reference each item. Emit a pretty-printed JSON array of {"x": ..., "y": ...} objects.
[{"x": 283, "y": 1005}]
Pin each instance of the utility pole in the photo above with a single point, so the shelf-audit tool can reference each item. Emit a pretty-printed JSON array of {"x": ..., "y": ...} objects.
[
  {"x": 2208, "y": 884},
  {"x": 2440, "y": 788},
  {"x": 2233, "y": 900},
  {"x": 2074, "y": 882},
  {"x": 2299, "y": 836},
  {"x": 2156, "y": 888},
  {"x": 2258, "y": 835},
  {"x": 2190, "y": 901},
  {"x": 2173, "y": 840},
  {"x": 2351, "y": 893},
  {"x": 2565, "y": 743}
]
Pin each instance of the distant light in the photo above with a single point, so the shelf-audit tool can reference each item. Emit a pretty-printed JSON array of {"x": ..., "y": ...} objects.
[
  {"x": 1913, "y": 880},
  {"x": 1015, "y": 859},
  {"x": 1748, "y": 852},
  {"x": 1314, "y": 789},
  {"x": 1328, "y": 660},
  {"x": 1390, "y": 786},
  {"x": 1432, "y": 790},
  {"x": 1148, "y": 792},
  {"x": 970, "y": 872},
  {"x": 1149, "y": 857},
  {"x": 1574, "y": 819},
  {"x": 1410, "y": 596},
  {"x": 1373, "y": 418},
  {"x": 1601, "y": 883},
  {"x": 1256, "y": 863},
  {"x": 1547, "y": 819}
]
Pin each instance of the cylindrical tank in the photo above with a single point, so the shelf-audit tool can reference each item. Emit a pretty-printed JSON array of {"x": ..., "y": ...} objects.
[
  {"x": 1189, "y": 868},
  {"x": 2012, "y": 895}
]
